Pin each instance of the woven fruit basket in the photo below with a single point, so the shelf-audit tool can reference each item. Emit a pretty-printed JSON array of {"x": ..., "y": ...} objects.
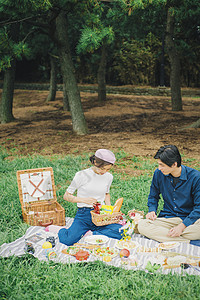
[{"x": 106, "y": 219}]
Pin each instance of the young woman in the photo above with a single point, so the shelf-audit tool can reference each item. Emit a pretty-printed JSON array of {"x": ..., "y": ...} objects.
[{"x": 92, "y": 186}]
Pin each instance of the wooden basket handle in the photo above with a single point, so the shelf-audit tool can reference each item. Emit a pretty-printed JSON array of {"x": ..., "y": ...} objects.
[{"x": 45, "y": 224}]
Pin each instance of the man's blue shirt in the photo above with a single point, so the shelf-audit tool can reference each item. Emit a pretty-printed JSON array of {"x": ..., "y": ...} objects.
[{"x": 182, "y": 200}]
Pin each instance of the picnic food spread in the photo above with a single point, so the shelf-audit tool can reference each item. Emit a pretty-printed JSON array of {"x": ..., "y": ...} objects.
[
  {"x": 161, "y": 259},
  {"x": 126, "y": 253},
  {"x": 105, "y": 251}
]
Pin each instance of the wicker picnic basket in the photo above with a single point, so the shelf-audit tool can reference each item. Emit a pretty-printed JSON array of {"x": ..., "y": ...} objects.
[
  {"x": 106, "y": 219},
  {"x": 141, "y": 213},
  {"x": 37, "y": 195}
]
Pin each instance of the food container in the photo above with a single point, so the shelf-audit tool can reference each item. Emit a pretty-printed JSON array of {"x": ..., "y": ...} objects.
[
  {"x": 46, "y": 246},
  {"x": 82, "y": 255},
  {"x": 107, "y": 258},
  {"x": 29, "y": 248},
  {"x": 51, "y": 254},
  {"x": 51, "y": 239}
]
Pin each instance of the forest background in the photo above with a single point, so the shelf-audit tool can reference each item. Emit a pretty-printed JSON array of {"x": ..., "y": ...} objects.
[{"x": 105, "y": 42}]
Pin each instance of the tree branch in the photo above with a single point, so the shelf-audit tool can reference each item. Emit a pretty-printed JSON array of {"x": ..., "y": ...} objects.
[
  {"x": 53, "y": 55},
  {"x": 37, "y": 29},
  {"x": 3, "y": 23},
  {"x": 15, "y": 21}
]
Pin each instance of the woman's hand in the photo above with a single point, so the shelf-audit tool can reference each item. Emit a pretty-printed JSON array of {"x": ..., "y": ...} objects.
[
  {"x": 107, "y": 199},
  {"x": 89, "y": 201},
  {"x": 69, "y": 197}
]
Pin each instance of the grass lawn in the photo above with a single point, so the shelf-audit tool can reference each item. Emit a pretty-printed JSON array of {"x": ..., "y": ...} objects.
[{"x": 28, "y": 278}]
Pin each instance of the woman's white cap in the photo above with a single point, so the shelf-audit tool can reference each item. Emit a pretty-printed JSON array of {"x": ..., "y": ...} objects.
[{"x": 106, "y": 155}]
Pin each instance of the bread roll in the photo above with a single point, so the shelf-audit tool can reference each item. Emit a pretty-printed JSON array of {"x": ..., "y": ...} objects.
[{"x": 118, "y": 205}]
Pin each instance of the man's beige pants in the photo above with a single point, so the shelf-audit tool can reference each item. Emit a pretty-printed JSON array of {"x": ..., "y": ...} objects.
[{"x": 159, "y": 228}]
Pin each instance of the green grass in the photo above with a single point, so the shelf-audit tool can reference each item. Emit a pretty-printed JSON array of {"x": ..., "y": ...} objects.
[{"x": 28, "y": 278}]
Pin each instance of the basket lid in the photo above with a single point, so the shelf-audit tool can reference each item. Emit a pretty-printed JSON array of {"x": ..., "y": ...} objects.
[{"x": 36, "y": 185}]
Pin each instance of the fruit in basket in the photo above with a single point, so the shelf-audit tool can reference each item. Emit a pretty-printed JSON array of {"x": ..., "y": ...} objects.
[
  {"x": 97, "y": 208},
  {"x": 124, "y": 253},
  {"x": 118, "y": 205}
]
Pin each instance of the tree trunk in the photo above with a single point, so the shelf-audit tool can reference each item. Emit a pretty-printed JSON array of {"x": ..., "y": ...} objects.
[
  {"x": 65, "y": 99},
  {"x": 101, "y": 76},
  {"x": 6, "y": 105},
  {"x": 68, "y": 72},
  {"x": 162, "y": 64},
  {"x": 53, "y": 80},
  {"x": 174, "y": 64}
]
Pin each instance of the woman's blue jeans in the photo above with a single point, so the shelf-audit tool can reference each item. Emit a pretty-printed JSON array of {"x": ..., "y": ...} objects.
[{"x": 82, "y": 223}]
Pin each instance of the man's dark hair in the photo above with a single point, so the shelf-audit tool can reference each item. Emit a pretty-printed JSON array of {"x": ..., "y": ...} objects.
[{"x": 169, "y": 154}]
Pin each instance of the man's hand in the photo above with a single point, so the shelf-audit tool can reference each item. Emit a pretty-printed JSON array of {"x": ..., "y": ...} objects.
[
  {"x": 151, "y": 215},
  {"x": 177, "y": 230}
]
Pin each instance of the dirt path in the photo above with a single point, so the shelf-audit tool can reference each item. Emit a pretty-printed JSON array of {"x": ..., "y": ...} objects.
[{"x": 137, "y": 124}]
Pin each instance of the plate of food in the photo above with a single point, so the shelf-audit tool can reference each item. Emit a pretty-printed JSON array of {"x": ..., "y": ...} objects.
[
  {"x": 105, "y": 252},
  {"x": 169, "y": 245},
  {"x": 71, "y": 250},
  {"x": 127, "y": 244},
  {"x": 96, "y": 239}
]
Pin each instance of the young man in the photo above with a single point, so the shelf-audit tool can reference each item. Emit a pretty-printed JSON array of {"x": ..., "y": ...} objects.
[{"x": 179, "y": 186}]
